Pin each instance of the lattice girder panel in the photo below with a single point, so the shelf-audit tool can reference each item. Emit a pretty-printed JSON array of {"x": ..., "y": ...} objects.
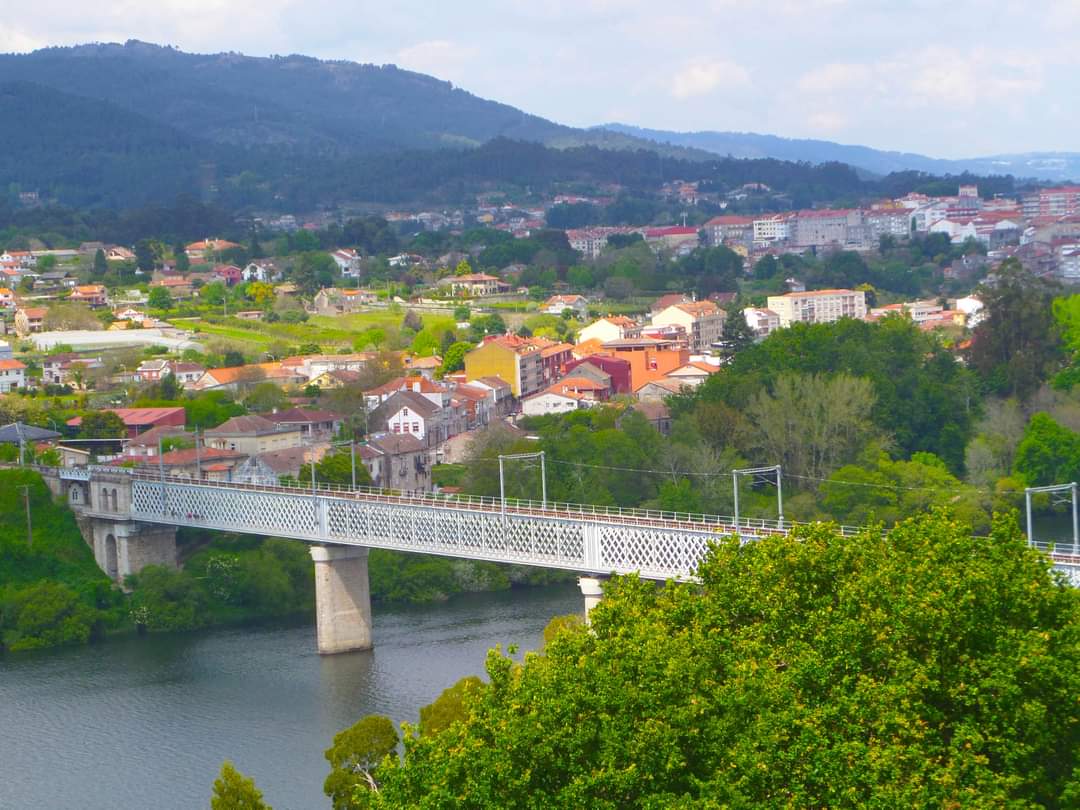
[
  {"x": 280, "y": 514},
  {"x": 456, "y": 532},
  {"x": 654, "y": 553}
]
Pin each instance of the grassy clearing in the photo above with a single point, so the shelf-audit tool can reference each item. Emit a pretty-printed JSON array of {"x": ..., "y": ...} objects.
[{"x": 330, "y": 332}]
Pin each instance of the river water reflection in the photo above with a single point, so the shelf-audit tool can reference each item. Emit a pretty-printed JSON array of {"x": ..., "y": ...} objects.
[{"x": 146, "y": 723}]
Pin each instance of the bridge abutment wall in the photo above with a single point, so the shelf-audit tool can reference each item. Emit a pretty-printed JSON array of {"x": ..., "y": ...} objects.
[
  {"x": 102, "y": 507},
  {"x": 342, "y": 599}
]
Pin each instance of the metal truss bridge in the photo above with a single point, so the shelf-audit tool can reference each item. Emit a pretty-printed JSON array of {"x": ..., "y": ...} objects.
[{"x": 588, "y": 539}]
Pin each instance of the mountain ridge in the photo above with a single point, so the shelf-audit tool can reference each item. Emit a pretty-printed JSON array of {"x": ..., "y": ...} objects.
[
  {"x": 331, "y": 107},
  {"x": 1052, "y": 166}
]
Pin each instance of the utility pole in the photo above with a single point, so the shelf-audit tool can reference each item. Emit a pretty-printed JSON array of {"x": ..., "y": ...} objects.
[{"x": 29, "y": 526}]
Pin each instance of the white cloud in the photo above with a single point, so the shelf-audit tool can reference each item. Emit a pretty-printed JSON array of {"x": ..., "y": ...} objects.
[
  {"x": 701, "y": 78},
  {"x": 827, "y": 122},
  {"x": 15, "y": 40},
  {"x": 834, "y": 77},
  {"x": 439, "y": 57}
]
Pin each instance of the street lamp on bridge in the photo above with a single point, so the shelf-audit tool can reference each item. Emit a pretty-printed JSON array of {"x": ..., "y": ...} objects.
[
  {"x": 1053, "y": 488},
  {"x": 543, "y": 476},
  {"x": 756, "y": 472}
]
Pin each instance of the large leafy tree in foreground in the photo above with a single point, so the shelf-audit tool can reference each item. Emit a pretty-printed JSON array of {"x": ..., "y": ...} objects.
[{"x": 927, "y": 668}]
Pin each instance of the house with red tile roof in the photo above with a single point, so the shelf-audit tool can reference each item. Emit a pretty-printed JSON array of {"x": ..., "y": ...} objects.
[{"x": 140, "y": 420}]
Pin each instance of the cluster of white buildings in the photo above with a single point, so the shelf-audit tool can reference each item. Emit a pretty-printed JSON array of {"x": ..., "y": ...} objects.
[{"x": 826, "y": 306}]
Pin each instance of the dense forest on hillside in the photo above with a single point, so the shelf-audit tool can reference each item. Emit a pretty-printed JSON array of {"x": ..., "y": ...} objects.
[
  {"x": 124, "y": 126},
  {"x": 334, "y": 107}
]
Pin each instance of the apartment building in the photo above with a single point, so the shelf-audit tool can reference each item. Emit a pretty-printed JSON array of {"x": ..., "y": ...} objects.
[
  {"x": 819, "y": 306},
  {"x": 510, "y": 358},
  {"x": 828, "y": 227},
  {"x": 775, "y": 228},
  {"x": 730, "y": 229},
  {"x": 703, "y": 322},
  {"x": 1052, "y": 202},
  {"x": 761, "y": 321}
]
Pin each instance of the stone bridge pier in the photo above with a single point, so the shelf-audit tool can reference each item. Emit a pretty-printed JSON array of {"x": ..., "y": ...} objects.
[{"x": 342, "y": 599}]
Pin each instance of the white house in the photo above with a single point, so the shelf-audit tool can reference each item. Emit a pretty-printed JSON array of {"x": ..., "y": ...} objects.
[
  {"x": 557, "y": 304},
  {"x": 347, "y": 260},
  {"x": 548, "y": 402},
  {"x": 972, "y": 308},
  {"x": 261, "y": 271},
  {"x": 761, "y": 321},
  {"x": 12, "y": 376},
  {"x": 613, "y": 327}
]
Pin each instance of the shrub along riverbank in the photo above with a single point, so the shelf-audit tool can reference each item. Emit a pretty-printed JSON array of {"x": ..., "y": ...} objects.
[{"x": 53, "y": 593}]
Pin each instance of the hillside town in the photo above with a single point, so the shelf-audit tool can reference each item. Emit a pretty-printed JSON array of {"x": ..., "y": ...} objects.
[{"x": 508, "y": 350}]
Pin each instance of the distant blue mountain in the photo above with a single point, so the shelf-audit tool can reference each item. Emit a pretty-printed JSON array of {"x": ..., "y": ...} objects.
[{"x": 1053, "y": 166}]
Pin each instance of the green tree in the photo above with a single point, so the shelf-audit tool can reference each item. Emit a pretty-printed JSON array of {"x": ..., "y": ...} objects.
[
  {"x": 449, "y": 707},
  {"x": 811, "y": 424},
  {"x": 454, "y": 357},
  {"x": 924, "y": 400},
  {"x": 214, "y": 293},
  {"x": 580, "y": 277},
  {"x": 354, "y": 756},
  {"x": 305, "y": 241},
  {"x": 101, "y": 264},
  {"x": 102, "y": 425},
  {"x": 144, "y": 255},
  {"x": 266, "y": 397},
  {"x": 234, "y": 791},
  {"x": 159, "y": 298},
  {"x": 1016, "y": 346},
  {"x": 678, "y": 496},
  {"x": 1049, "y": 453},
  {"x": 183, "y": 262},
  {"x": 767, "y": 267},
  {"x": 314, "y": 271},
  {"x": 737, "y": 332},
  {"x": 169, "y": 387},
  {"x": 926, "y": 668},
  {"x": 336, "y": 468}
]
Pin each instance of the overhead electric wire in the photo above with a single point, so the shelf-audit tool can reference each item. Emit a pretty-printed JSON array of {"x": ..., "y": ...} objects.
[{"x": 725, "y": 474}]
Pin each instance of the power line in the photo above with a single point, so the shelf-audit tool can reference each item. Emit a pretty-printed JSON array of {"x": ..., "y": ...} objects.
[{"x": 726, "y": 473}]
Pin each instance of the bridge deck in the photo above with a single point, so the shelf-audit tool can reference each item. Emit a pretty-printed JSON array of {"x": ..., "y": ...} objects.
[{"x": 581, "y": 537}]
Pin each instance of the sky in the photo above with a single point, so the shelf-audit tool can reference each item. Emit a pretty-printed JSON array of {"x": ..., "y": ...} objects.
[{"x": 946, "y": 78}]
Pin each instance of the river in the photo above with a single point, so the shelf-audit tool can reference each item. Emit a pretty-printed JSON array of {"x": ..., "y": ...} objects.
[{"x": 146, "y": 722}]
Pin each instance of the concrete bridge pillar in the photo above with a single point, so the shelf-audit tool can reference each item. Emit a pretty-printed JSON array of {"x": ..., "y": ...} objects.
[
  {"x": 342, "y": 599},
  {"x": 592, "y": 588}
]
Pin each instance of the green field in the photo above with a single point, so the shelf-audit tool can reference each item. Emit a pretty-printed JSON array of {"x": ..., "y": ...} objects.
[{"x": 330, "y": 332}]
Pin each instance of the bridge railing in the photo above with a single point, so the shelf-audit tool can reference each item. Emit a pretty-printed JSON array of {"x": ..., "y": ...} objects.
[
  {"x": 561, "y": 509},
  {"x": 1064, "y": 550}
]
